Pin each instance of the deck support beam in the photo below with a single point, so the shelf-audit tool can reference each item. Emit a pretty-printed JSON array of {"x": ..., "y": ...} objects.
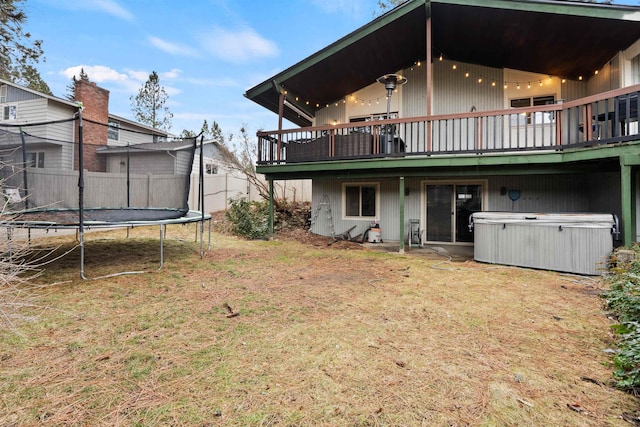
[
  {"x": 271, "y": 208},
  {"x": 627, "y": 197},
  {"x": 401, "y": 194}
]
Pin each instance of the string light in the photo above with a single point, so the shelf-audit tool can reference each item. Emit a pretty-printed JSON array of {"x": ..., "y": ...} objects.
[{"x": 454, "y": 66}]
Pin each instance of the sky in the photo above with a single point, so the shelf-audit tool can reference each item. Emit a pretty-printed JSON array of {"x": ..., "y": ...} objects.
[{"x": 207, "y": 53}]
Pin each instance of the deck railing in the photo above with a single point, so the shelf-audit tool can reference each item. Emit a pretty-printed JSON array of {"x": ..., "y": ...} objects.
[{"x": 605, "y": 118}]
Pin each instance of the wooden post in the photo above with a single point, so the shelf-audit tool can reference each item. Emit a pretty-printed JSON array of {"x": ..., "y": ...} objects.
[
  {"x": 401, "y": 190},
  {"x": 271, "y": 208},
  {"x": 280, "y": 115},
  {"x": 627, "y": 199},
  {"x": 429, "y": 83}
]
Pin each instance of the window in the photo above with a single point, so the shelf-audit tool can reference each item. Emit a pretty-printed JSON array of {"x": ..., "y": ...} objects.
[
  {"x": 360, "y": 200},
  {"x": 10, "y": 112},
  {"x": 211, "y": 169},
  {"x": 529, "y": 118},
  {"x": 3, "y": 94},
  {"x": 35, "y": 160},
  {"x": 114, "y": 130},
  {"x": 370, "y": 118},
  {"x": 159, "y": 138}
]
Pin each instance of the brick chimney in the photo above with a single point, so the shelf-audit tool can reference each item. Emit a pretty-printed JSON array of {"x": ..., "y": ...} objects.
[{"x": 95, "y": 102}]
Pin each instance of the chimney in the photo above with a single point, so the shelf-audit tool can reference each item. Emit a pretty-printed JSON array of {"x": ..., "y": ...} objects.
[{"x": 95, "y": 103}]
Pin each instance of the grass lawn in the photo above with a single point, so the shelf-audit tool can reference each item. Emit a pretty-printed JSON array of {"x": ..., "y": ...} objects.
[{"x": 290, "y": 333}]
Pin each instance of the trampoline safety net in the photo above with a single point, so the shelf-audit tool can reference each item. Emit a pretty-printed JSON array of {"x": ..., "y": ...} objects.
[{"x": 136, "y": 177}]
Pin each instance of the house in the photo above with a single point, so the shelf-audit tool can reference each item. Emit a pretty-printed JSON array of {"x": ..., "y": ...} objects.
[
  {"x": 441, "y": 108},
  {"x": 53, "y": 144}
]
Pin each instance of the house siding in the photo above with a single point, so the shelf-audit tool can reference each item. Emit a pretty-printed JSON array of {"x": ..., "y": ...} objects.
[
  {"x": 154, "y": 163},
  {"x": 454, "y": 93},
  {"x": 137, "y": 136},
  {"x": 414, "y": 93},
  {"x": 564, "y": 193},
  {"x": 15, "y": 94}
]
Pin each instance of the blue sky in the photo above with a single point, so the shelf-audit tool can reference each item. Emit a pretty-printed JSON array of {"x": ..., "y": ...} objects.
[{"x": 206, "y": 52}]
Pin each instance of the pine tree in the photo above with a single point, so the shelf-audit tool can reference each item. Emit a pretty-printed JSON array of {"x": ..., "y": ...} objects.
[
  {"x": 71, "y": 88},
  {"x": 18, "y": 52},
  {"x": 148, "y": 105}
]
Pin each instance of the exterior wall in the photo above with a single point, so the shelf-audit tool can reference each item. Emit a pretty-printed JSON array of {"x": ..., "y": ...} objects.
[
  {"x": 15, "y": 94},
  {"x": 608, "y": 77},
  {"x": 95, "y": 101},
  {"x": 333, "y": 114},
  {"x": 183, "y": 162},
  {"x": 595, "y": 193},
  {"x": 160, "y": 163},
  {"x": 130, "y": 138},
  {"x": 372, "y": 100},
  {"x": 414, "y": 92},
  {"x": 455, "y": 93}
]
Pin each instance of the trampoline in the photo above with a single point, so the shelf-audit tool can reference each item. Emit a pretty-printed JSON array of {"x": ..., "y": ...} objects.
[{"x": 143, "y": 187}]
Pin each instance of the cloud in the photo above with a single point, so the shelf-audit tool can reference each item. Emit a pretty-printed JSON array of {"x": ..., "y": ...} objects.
[
  {"x": 96, "y": 73},
  {"x": 110, "y": 7},
  {"x": 172, "y": 48},
  {"x": 130, "y": 80},
  {"x": 237, "y": 46},
  {"x": 172, "y": 74},
  {"x": 352, "y": 7}
]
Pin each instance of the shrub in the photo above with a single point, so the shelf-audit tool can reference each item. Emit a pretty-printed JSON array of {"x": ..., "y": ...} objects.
[
  {"x": 623, "y": 299},
  {"x": 248, "y": 219}
]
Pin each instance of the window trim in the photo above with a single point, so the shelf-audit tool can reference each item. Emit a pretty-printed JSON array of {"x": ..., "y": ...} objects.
[
  {"x": 376, "y": 186},
  {"x": 6, "y": 112},
  {"x": 113, "y": 128},
  {"x": 527, "y": 118},
  {"x": 35, "y": 159}
]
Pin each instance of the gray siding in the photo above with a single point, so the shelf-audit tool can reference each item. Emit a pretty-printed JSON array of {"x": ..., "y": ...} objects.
[
  {"x": 153, "y": 163},
  {"x": 593, "y": 193},
  {"x": 414, "y": 93},
  {"x": 15, "y": 94},
  {"x": 454, "y": 93},
  {"x": 334, "y": 113},
  {"x": 130, "y": 138}
]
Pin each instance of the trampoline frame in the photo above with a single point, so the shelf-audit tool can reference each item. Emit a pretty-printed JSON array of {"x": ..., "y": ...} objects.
[{"x": 19, "y": 218}]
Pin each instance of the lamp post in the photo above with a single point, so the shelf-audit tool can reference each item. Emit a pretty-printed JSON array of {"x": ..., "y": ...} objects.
[{"x": 390, "y": 82}]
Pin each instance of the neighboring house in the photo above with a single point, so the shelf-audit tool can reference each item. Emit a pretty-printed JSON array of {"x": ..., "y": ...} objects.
[
  {"x": 518, "y": 105},
  {"x": 54, "y": 145}
]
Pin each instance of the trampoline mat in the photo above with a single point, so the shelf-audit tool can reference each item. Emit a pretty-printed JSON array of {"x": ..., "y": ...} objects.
[{"x": 65, "y": 218}]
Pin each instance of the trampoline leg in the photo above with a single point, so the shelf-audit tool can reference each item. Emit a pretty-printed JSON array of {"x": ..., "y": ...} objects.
[
  {"x": 82, "y": 256},
  {"x": 161, "y": 248}
]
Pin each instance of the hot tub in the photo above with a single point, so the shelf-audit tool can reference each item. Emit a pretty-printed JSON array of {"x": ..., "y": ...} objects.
[{"x": 573, "y": 243}]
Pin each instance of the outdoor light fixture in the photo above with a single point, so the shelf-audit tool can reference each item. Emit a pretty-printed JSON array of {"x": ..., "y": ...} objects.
[{"x": 390, "y": 82}]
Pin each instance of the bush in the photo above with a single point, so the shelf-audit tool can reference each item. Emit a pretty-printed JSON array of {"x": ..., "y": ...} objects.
[
  {"x": 248, "y": 219},
  {"x": 623, "y": 299}
]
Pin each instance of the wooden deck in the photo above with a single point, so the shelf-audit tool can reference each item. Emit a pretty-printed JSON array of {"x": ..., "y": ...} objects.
[{"x": 606, "y": 118}]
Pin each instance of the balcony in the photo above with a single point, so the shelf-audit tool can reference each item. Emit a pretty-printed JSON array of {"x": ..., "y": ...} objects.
[{"x": 606, "y": 118}]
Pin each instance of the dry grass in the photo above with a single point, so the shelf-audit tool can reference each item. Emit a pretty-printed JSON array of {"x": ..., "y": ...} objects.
[{"x": 324, "y": 336}]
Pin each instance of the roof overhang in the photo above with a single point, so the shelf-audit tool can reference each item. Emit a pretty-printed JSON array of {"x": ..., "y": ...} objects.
[{"x": 554, "y": 37}]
